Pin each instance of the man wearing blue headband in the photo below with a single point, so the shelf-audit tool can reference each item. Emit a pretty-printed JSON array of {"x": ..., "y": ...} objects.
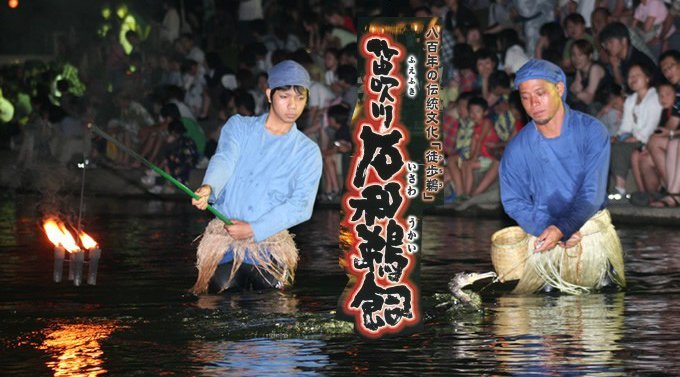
[
  {"x": 264, "y": 176},
  {"x": 553, "y": 176}
]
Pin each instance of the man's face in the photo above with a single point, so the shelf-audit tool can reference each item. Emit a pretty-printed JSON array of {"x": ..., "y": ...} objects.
[
  {"x": 287, "y": 105},
  {"x": 575, "y": 30},
  {"x": 671, "y": 70},
  {"x": 541, "y": 99},
  {"x": 614, "y": 47}
]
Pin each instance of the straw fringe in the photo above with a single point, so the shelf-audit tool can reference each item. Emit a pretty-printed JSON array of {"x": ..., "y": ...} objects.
[
  {"x": 276, "y": 255},
  {"x": 578, "y": 269}
]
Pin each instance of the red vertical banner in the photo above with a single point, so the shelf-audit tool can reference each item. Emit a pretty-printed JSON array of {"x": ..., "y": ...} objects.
[{"x": 395, "y": 170}]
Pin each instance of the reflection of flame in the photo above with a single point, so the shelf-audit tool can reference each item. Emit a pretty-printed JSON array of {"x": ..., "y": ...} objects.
[
  {"x": 77, "y": 349},
  {"x": 87, "y": 241},
  {"x": 59, "y": 235}
]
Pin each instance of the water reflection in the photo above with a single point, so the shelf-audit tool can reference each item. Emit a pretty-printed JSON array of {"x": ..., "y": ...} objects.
[
  {"x": 260, "y": 357},
  {"x": 76, "y": 348},
  {"x": 265, "y": 302},
  {"x": 555, "y": 335}
]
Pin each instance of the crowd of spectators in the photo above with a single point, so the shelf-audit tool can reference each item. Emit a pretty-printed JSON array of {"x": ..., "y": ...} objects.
[{"x": 166, "y": 86}]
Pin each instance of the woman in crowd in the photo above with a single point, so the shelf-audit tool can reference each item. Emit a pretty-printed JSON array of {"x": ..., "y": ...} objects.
[
  {"x": 589, "y": 78},
  {"x": 641, "y": 113},
  {"x": 648, "y": 175}
]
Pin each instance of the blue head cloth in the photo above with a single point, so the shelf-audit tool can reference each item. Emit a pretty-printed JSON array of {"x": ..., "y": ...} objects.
[
  {"x": 541, "y": 69},
  {"x": 288, "y": 73}
]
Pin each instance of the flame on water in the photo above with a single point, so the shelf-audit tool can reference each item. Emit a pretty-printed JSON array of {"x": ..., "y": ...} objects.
[
  {"x": 59, "y": 235},
  {"x": 88, "y": 242},
  {"x": 76, "y": 349}
]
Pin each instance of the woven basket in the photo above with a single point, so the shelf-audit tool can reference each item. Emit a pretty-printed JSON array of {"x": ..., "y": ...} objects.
[{"x": 508, "y": 252}]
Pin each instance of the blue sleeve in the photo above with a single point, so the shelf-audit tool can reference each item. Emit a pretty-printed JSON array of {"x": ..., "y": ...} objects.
[
  {"x": 298, "y": 207},
  {"x": 223, "y": 162},
  {"x": 590, "y": 196},
  {"x": 515, "y": 184}
]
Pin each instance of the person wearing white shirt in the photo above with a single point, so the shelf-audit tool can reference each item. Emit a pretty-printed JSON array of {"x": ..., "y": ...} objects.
[
  {"x": 171, "y": 22},
  {"x": 641, "y": 114}
]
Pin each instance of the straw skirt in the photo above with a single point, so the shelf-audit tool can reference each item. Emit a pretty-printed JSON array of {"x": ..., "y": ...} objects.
[
  {"x": 277, "y": 255},
  {"x": 574, "y": 270}
]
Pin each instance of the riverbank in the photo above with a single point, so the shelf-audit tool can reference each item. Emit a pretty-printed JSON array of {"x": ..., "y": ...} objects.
[{"x": 102, "y": 180}]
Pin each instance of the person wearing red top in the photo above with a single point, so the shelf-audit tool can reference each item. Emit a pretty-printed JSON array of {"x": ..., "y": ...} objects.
[{"x": 484, "y": 139}]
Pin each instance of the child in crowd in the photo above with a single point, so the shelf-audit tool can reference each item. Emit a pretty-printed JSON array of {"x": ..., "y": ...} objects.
[
  {"x": 612, "y": 112},
  {"x": 483, "y": 140}
]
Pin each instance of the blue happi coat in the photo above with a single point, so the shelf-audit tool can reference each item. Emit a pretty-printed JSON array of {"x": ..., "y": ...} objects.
[
  {"x": 559, "y": 181},
  {"x": 269, "y": 181}
]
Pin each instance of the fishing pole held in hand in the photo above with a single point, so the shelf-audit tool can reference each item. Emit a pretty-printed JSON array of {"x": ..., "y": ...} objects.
[{"x": 158, "y": 170}]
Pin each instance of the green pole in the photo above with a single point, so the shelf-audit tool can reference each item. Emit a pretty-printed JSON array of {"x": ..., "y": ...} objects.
[{"x": 158, "y": 170}]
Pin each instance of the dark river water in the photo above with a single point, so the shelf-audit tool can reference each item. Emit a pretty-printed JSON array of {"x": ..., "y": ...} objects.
[{"x": 139, "y": 320}]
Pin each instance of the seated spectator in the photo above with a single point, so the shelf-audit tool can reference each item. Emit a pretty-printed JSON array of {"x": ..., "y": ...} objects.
[
  {"x": 340, "y": 146},
  {"x": 180, "y": 156},
  {"x": 473, "y": 37},
  {"x": 622, "y": 54},
  {"x": 600, "y": 18},
  {"x": 71, "y": 137},
  {"x": 483, "y": 140},
  {"x": 672, "y": 198},
  {"x": 331, "y": 61},
  {"x": 175, "y": 94},
  {"x": 575, "y": 26},
  {"x": 464, "y": 65},
  {"x": 196, "y": 94},
  {"x": 244, "y": 102},
  {"x": 648, "y": 175},
  {"x": 500, "y": 16},
  {"x": 486, "y": 63},
  {"x": 505, "y": 123},
  {"x": 511, "y": 50},
  {"x": 457, "y": 135},
  {"x": 157, "y": 135},
  {"x": 320, "y": 98},
  {"x": 348, "y": 54},
  {"x": 641, "y": 113},
  {"x": 187, "y": 46},
  {"x": 345, "y": 86},
  {"x": 550, "y": 45},
  {"x": 170, "y": 70},
  {"x": 612, "y": 111},
  {"x": 589, "y": 79},
  {"x": 132, "y": 119},
  {"x": 648, "y": 19}
]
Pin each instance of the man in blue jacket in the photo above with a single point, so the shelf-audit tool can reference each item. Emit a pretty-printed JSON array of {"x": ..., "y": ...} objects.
[
  {"x": 554, "y": 173},
  {"x": 264, "y": 176}
]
